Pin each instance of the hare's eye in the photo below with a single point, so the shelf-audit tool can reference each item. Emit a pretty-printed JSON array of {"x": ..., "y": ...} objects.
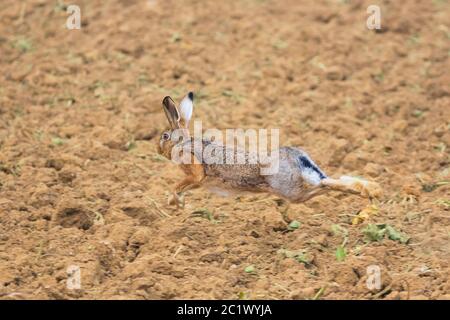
[{"x": 166, "y": 136}]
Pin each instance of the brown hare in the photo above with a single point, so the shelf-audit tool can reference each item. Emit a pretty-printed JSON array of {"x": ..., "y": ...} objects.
[{"x": 297, "y": 179}]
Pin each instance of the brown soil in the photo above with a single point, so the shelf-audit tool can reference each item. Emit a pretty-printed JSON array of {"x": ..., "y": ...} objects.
[{"x": 80, "y": 115}]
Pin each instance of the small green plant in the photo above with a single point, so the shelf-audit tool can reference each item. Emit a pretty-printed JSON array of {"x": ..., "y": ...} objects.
[
  {"x": 417, "y": 113},
  {"x": 300, "y": 256},
  {"x": 379, "y": 77},
  {"x": 205, "y": 214},
  {"x": 338, "y": 230},
  {"x": 303, "y": 258},
  {"x": 443, "y": 202},
  {"x": 377, "y": 232},
  {"x": 395, "y": 235},
  {"x": 319, "y": 293},
  {"x": 57, "y": 141},
  {"x": 293, "y": 225},
  {"x": 23, "y": 45},
  {"x": 243, "y": 296},
  {"x": 250, "y": 269},
  {"x": 156, "y": 157},
  {"x": 373, "y": 233},
  {"x": 60, "y": 6},
  {"x": 414, "y": 39},
  {"x": 130, "y": 145},
  {"x": 340, "y": 253},
  {"x": 357, "y": 250}
]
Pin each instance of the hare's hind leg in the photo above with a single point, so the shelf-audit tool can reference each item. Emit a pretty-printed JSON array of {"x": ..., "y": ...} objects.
[
  {"x": 346, "y": 184},
  {"x": 310, "y": 193},
  {"x": 195, "y": 175},
  {"x": 364, "y": 188}
]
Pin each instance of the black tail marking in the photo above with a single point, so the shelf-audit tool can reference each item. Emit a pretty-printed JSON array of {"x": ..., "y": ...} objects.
[{"x": 307, "y": 163}]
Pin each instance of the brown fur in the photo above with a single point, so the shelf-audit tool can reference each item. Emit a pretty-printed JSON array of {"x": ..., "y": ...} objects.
[{"x": 297, "y": 180}]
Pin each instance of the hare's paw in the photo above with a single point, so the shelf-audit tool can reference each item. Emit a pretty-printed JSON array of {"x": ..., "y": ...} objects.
[
  {"x": 367, "y": 189},
  {"x": 372, "y": 190},
  {"x": 176, "y": 199}
]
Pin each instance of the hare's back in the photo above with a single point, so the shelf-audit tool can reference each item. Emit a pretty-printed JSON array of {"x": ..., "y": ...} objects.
[{"x": 234, "y": 167}]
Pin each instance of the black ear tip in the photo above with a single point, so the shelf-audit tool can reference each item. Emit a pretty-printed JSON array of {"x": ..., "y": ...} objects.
[
  {"x": 166, "y": 99},
  {"x": 191, "y": 95}
]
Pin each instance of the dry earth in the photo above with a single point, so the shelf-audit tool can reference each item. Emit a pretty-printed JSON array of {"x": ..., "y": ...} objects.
[{"x": 81, "y": 183}]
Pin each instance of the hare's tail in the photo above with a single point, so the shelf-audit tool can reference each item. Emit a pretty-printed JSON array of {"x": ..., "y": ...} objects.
[
  {"x": 353, "y": 185},
  {"x": 310, "y": 171}
]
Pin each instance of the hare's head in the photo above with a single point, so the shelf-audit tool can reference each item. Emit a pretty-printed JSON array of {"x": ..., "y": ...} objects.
[{"x": 179, "y": 123}]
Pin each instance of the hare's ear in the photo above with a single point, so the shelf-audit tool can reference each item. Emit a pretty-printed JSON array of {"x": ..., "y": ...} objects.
[
  {"x": 186, "y": 109},
  {"x": 171, "y": 112}
]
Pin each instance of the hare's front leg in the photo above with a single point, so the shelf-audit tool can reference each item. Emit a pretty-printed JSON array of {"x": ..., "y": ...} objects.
[{"x": 195, "y": 175}]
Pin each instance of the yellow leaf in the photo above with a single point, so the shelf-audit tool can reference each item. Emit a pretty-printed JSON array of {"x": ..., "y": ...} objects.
[{"x": 365, "y": 214}]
